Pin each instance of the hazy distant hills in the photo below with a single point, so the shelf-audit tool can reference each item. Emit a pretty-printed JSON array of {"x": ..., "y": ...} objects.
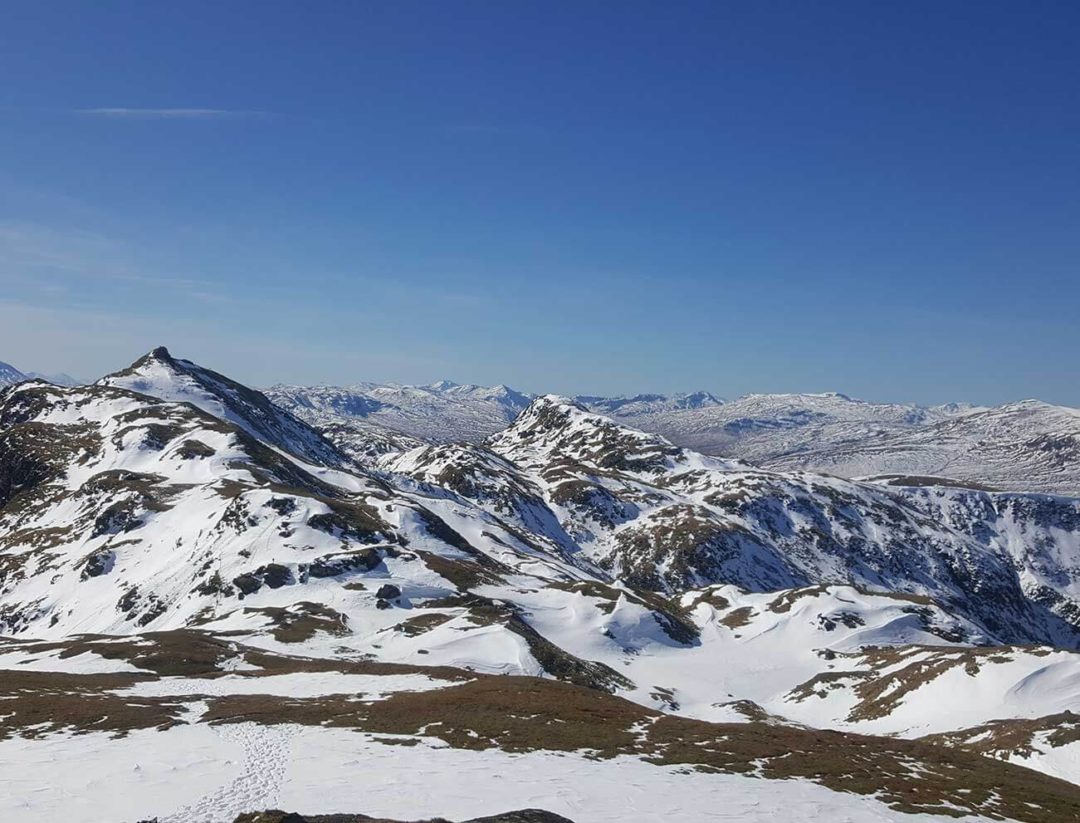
[
  {"x": 9, "y": 374},
  {"x": 439, "y": 412}
]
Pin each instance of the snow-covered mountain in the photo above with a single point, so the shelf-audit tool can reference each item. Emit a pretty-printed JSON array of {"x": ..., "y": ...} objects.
[
  {"x": 160, "y": 375},
  {"x": 1025, "y": 447},
  {"x": 445, "y": 411},
  {"x": 438, "y": 413},
  {"x": 666, "y": 518},
  {"x": 186, "y": 564},
  {"x": 640, "y": 405},
  {"x": 775, "y": 419},
  {"x": 61, "y": 379},
  {"x": 10, "y": 374}
]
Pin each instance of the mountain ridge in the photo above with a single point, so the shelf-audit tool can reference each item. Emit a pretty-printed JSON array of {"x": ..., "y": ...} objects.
[{"x": 1025, "y": 446}]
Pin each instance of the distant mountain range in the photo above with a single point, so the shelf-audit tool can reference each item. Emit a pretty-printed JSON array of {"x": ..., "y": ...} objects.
[
  {"x": 1027, "y": 446},
  {"x": 440, "y": 412},
  {"x": 9, "y": 374}
]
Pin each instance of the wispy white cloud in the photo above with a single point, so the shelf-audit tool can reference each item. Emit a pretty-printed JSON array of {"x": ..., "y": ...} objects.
[{"x": 169, "y": 113}]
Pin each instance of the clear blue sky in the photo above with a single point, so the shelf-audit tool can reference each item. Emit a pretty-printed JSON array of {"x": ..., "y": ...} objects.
[{"x": 876, "y": 198}]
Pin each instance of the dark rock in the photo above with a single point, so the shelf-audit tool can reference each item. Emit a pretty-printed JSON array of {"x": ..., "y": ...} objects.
[
  {"x": 121, "y": 516},
  {"x": 247, "y": 583},
  {"x": 278, "y": 816},
  {"x": 282, "y": 505},
  {"x": 388, "y": 591},
  {"x": 273, "y": 575},
  {"x": 331, "y": 565},
  {"x": 97, "y": 563},
  {"x": 194, "y": 449}
]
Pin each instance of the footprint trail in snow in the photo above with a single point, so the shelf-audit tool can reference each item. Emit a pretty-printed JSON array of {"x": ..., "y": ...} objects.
[{"x": 266, "y": 756}]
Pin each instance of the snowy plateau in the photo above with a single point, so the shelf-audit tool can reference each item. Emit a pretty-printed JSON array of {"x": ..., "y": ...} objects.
[{"x": 221, "y": 604}]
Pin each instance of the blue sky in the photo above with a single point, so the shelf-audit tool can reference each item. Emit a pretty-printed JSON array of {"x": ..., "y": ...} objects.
[{"x": 880, "y": 199}]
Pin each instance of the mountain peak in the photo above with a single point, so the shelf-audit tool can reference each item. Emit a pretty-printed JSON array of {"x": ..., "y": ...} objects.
[
  {"x": 159, "y": 374},
  {"x": 701, "y": 397},
  {"x": 550, "y": 414},
  {"x": 554, "y": 425},
  {"x": 157, "y": 356},
  {"x": 442, "y": 385},
  {"x": 556, "y": 401}
]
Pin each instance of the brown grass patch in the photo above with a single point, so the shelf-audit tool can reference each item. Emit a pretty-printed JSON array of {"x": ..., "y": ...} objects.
[{"x": 517, "y": 714}]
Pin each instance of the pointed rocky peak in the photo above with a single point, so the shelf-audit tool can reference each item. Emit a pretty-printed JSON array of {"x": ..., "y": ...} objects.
[
  {"x": 159, "y": 374},
  {"x": 554, "y": 428},
  {"x": 550, "y": 413},
  {"x": 155, "y": 359}
]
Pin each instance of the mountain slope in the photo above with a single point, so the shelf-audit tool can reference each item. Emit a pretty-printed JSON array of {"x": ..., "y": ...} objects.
[
  {"x": 10, "y": 375},
  {"x": 365, "y": 443},
  {"x": 118, "y": 510},
  {"x": 161, "y": 375},
  {"x": 666, "y": 518}
]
